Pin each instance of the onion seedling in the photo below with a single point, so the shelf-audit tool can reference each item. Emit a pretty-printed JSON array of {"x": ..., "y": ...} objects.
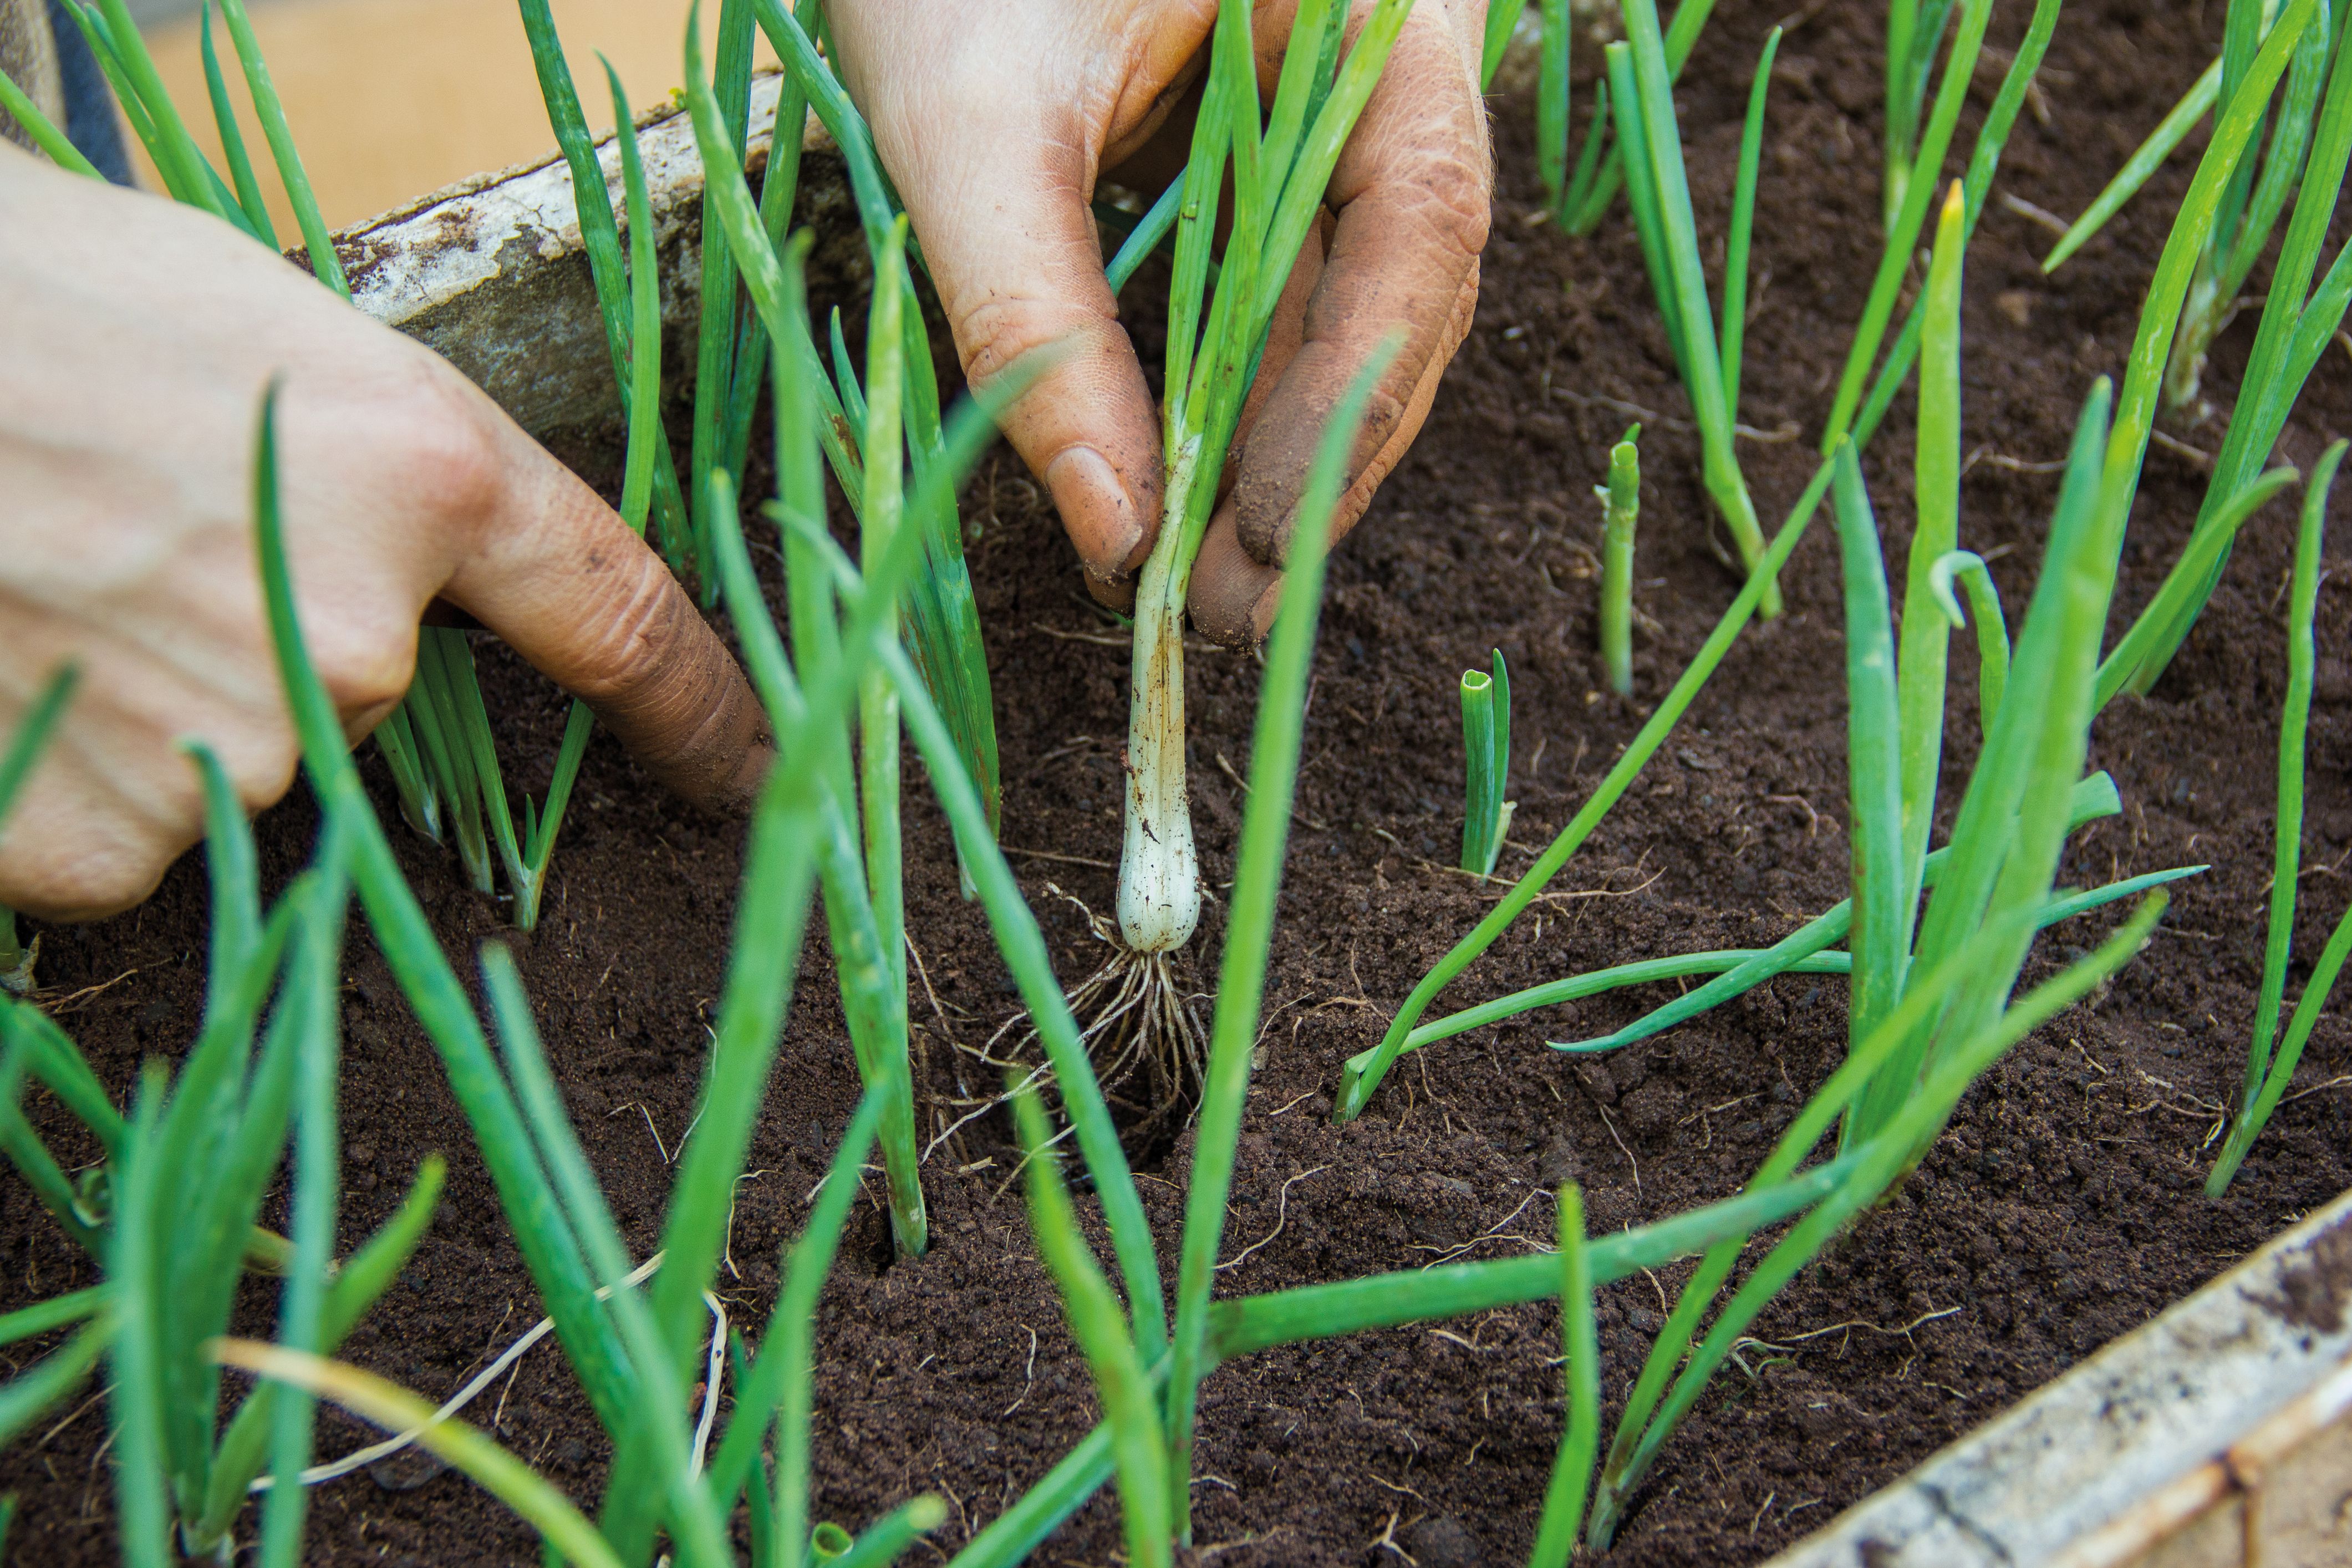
[
  {"x": 1360, "y": 1075},
  {"x": 1562, "y": 196},
  {"x": 716, "y": 333},
  {"x": 53, "y": 143},
  {"x": 2298, "y": 319},
  {"x": 1855, "y": 418},
  {"x": 1581, "y": 197},
  {"x": 1914, "y": 32},
  {"x": 1884, "y": 832},
  {"x": 1868, "y": 1173},
  {"x": 1622, "y": 495},
  {"x": 2267, "y": 1076},
  {"x": 600, "y": 238},
  {"x": 1241, "y": 1326},
  {"x": 1104, "y": 1338},
  {"x": 1658, "y": 190},
  {"x": 249, "y": 199},
  {"x": 860, "y": 853},
  {"x": 942, "y": 618},
  {"x": 1938, "y": 1015},
  {"x": 1486, "y": 762},
  {"x": 1279, "y": 166},
  {"x": 1579, "y": 1443},
  {"x": 1213, "y": 345},
  {"x": 169, "y": 1212},
  {"x": 2146, "y": 160},
  {"x": 1249, "y": 930},
  {"x": 2254, "y": 196}
]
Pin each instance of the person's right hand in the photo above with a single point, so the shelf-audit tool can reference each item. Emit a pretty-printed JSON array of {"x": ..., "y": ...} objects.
[
  {"x": 997, "y": 120},
  {"x": 136, "y": 340}
]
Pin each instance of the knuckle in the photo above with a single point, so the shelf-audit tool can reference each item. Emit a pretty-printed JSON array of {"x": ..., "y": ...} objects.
[
  {"x": 1448, "y": 199},
  {"x": 1004, "y": 328},
  {"x": 87, "y": 875},
  {"x": 444, "y": 449},
  {"x": 642, "y": 620},
  {"x": 363, "y": 664}
]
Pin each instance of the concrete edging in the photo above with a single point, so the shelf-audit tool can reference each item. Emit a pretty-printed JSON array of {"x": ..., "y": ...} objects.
[
  {"x": 491, "y": 272},
  {"x": 2215, "y": 1435}
]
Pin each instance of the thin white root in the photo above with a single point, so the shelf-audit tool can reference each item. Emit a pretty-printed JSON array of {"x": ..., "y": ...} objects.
[{"x": 1137, "y": 1022}]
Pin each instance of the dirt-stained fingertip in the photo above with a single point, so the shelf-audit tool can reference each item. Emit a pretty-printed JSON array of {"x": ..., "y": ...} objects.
[
  {"x": 1232, "y": 598},
  {"x": 1100, "y": 516}
]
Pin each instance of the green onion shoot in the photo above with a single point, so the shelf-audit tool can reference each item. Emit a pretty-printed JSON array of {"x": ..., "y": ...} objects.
[
  {"x": 1580, "y": 1441},
  {"x": 1914, "y": 32},
  {"x": 1657, "y": 188},
  {"x": 1622, "y": 499},
  {"x": 1486, "y": 761},
  {"x": 2269, "y": 1073},
  {"x": 2298, "y": 319}
]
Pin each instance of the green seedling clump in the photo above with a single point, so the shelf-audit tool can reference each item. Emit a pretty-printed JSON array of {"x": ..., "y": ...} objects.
[
  {"x": 2255, "y": 194},
  {"x": 168, "y": 1213},
  {"x": 1932, "y": 1002}
]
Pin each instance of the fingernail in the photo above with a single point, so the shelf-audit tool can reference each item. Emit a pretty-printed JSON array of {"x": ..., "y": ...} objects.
[{"x": 1095, "y": 508}]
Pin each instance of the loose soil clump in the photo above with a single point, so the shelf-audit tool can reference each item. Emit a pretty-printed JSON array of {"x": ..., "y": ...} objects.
[{"x": 2061, "y": 1208}]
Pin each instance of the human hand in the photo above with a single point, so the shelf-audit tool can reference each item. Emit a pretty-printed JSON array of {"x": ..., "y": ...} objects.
[
  {"x": 136, "y": 338},
  {"x": 996, "y": 125}
]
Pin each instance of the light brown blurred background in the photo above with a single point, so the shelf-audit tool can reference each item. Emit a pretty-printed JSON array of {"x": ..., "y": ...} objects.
[{"x": 389, "y": 99}]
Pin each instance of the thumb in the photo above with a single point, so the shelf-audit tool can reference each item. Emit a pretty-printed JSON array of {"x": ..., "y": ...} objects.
[
  {"x": 561, "y": 579},
  {"x": 1010, "y": 245}
]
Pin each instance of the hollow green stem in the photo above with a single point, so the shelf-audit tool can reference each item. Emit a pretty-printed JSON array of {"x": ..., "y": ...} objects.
[
  {"x": 1571, "y": 1472},
  {"x": 19, "y": 106},
  {"x": 1249, "y": 932},
  {"x": 1652, "y": 136},
  {"x": 2258, "y": 1098},
  {"x": 1137, "y": 1442},
  {"x": 1486, "y": 761},
  {"x": 256, "y": 211},
  {"x": 1552, "y": 104},
  {"x": 2162, "y": 142},
  {"x": 1903, "y": 233},
  {"x": 1623, "y": 498}
]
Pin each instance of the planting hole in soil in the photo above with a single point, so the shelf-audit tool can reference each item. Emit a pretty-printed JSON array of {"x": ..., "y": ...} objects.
[{"x": 963, "y": 1347}]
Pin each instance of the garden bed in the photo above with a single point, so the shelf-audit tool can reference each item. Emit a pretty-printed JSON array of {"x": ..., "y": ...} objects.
[{"x": 2062, "y": 1209}]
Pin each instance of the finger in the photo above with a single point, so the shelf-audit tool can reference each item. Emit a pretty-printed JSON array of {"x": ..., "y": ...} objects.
[
  {"x": 1233, "y": 595},
  {"x": 1286, "y": 334},
  {"x": 562, "y": 580},
  {"x": 1001, "y": 207},
  {"x": 1412, "y": 192}
]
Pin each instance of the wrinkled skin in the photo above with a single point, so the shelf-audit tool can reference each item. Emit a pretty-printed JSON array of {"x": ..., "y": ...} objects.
[
  {"x": 997, "y": 121},
  {"x": 136, "y": 338}
]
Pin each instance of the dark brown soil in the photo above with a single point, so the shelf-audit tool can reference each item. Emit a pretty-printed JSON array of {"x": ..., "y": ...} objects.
[{"x": 2061, "y": 1210}]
